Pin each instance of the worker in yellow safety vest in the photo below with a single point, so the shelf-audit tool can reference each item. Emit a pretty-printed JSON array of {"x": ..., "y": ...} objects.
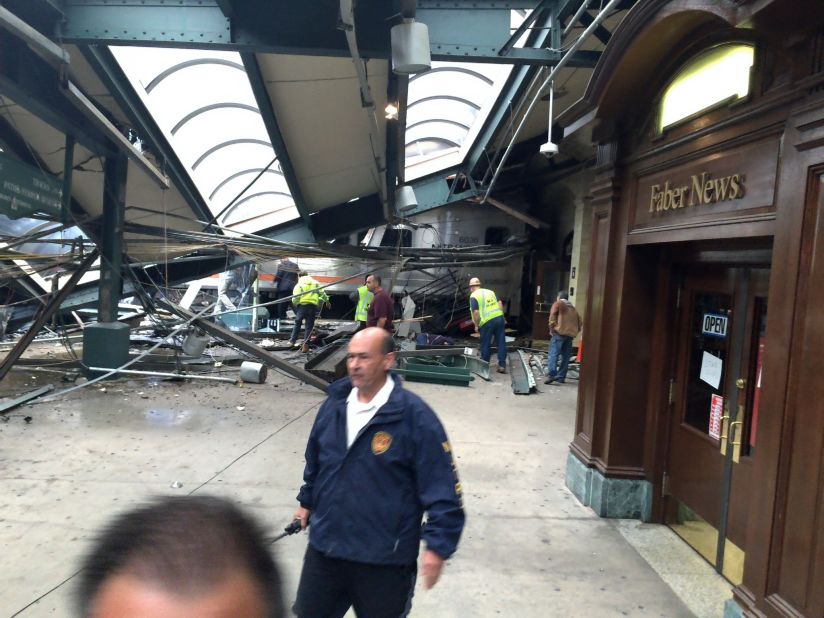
[
  {"x": 307, "y": 297},
  {"x": 488, "y": 316},
  {"x": 363, "y": 297}
]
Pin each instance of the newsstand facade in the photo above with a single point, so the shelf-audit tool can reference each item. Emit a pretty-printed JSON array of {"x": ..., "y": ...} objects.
[{"x": 701, "y": 402}]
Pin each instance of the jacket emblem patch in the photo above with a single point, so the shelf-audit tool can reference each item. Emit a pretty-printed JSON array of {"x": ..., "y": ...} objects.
[{"x": 381, "y": 442}]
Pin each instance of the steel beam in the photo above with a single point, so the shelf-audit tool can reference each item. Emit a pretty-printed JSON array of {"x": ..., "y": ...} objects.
[
  {"x": 46, "y": 311},
  {"x": 253, "y": 349},
  {"x": 270, "y": 120},
  {"x": 513, "y": 90},
  {"x": 7, "y": 406},
  {"x": 547, "y": 57},
  {"x": 90, "y": 111},
  {"x": 285, "y": 27},
  {"x": 600, "y": 33},
  {"x": 396, "y": 92},
  {"x": 50, "y": 51},
  {"x": 34, "y": 84},
  {"x": 116, "y": 82},
  {"x": 436, "y": 190},
  {"x": 111, "y": 251}
]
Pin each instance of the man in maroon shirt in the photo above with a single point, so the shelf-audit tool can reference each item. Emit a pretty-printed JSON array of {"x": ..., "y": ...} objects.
[{"x": 382, "y": 309}]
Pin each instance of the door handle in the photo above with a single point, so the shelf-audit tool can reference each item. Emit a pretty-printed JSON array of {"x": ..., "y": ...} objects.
[
  {"x": 724, "y": 419},
  {"x": 732, "y": 430}
]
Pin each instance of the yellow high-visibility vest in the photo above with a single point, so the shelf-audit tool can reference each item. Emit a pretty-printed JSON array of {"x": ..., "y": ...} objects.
[
  {"x": 488, "y": 307},
  {"x": 309, "y": 292},
  {"x": 364, "y": 300}
]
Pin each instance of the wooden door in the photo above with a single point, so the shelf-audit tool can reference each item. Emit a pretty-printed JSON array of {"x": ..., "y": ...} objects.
[{"x": 721, "y": 322}]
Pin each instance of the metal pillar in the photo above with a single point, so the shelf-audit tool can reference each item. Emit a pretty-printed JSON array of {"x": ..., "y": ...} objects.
[
  {"x": 68, "y": 168},
  {"x": 114, "y": 209}
]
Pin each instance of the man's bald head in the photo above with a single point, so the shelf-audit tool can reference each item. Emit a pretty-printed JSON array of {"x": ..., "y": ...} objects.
[
  {"x": 378, "y": 337},
  {"x": 371, "y": 356}
]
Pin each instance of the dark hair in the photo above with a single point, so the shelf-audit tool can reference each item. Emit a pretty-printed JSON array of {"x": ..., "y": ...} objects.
[
  {"x": 563, "y": 295},
  {"x": 302, "y": 273},
  {"x": 184, "y": 544},
  {"x": 376, "y": 278}
]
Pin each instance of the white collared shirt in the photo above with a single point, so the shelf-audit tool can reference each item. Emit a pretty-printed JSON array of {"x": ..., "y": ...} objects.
[{"x": 358, "y": 413}]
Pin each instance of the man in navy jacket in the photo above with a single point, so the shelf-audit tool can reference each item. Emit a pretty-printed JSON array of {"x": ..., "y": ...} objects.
[{"x": 377, "y": 459}]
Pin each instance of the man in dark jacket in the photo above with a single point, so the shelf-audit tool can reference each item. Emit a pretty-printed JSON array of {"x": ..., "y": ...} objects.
[
  {"x": 377, "y": 459},
  {"x": 286, "y": 277}
]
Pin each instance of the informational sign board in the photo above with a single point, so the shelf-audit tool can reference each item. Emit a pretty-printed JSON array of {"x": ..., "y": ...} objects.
[
  {"x": 26, "y": 191},
  {"x": 711, "y": 369},
  {"x": 716, "y": 412},
  {"x": 714, "y": 325}
]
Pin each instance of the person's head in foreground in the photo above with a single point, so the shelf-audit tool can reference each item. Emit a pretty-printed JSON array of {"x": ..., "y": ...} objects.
[
  {"x": 371, "y": 356},
  {"x": 180, "y": 556}
]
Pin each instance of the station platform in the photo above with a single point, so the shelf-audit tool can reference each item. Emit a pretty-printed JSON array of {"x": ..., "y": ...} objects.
[{"x": 530, "y": 549}]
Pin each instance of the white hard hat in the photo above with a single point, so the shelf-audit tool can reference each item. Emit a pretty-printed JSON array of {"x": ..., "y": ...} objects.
[{"x": 474, "y": 281}]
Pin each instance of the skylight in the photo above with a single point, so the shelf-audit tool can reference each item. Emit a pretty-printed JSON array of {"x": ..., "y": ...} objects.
[
  {"x": 203, "y": 102},
  {"x": 447, "y": 107}
]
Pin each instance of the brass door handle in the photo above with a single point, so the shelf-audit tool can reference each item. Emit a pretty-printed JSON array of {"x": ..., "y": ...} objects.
[{"x": 733, "y": 424}]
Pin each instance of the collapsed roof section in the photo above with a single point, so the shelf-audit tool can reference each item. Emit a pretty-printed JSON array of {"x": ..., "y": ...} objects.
[{"x": 327, "y": 159}]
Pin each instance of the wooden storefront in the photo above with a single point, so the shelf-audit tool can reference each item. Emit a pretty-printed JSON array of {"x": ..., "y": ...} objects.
[{"x": 702, "y": 382}]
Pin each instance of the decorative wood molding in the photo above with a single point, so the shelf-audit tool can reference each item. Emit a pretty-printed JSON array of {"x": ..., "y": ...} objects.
[{"x": 623, "y": 472}]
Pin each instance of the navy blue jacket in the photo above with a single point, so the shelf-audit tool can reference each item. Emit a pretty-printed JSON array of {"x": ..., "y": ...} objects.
[{"x": 368, "y": 501}]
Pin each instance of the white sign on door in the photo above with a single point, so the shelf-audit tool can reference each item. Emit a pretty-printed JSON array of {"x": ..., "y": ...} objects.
[{"x": 714, "y": 325}]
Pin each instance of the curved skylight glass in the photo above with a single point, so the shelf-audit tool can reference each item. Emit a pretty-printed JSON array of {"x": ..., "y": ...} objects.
[
  {"x": 203, "y": 102},
  {"x": 445, "y": 108}
]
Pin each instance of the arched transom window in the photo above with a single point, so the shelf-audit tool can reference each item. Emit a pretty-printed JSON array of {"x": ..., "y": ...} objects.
[{"x": 717, "y": 75}]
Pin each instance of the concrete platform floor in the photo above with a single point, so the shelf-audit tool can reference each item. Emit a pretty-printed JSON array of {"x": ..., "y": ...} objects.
[{"x": 529, "y": 548}]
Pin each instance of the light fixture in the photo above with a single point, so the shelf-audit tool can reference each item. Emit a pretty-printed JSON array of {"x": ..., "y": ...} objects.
[
  {"x": 405, "y": 198},
  {"x": 410, "y": 48},
  {"x": 391, "y": 111},
  {"x": 550, "y": 149}
]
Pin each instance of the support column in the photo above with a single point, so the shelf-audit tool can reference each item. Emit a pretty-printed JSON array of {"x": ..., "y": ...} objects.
[
  {"x": 111, "y": 250},
  {"x": 106, "y": 343},
  {"x": 605, "y": 466}
]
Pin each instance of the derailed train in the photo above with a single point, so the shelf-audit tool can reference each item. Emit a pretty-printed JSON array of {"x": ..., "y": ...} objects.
[
  {"x": 432, "y": 256},
  {"x": 463, "y": 240}
]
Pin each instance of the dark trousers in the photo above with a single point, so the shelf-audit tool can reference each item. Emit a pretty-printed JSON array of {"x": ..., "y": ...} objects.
[
  {"x": 281, "y": 308},
  {"x": 329, "y": 587},
  {"x": 494, "y": 329},
  {"x": 307, "y": 312}
]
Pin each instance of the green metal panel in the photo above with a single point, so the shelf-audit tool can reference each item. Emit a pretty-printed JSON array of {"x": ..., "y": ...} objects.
[
  {"x": 106, "y": 344},
  {"x": 435, "y": 376},
  {"x": 147, "y": 21}
]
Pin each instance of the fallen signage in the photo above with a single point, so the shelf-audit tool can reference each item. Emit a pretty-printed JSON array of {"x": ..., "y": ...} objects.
[{"x": 26, "y": 191}]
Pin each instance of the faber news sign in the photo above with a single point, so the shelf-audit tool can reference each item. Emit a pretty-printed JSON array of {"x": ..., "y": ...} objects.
[
  {"x": 701, "y": 189},
  {"x": 25, "y": 191},
  {"x": 721, "y": 185}
]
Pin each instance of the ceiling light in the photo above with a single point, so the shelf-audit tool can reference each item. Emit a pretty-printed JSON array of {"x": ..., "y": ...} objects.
[
  {"x": 410, "y": 48},
  {"x": 405, "y": 198},
  {"x": 391, "y": 111}
]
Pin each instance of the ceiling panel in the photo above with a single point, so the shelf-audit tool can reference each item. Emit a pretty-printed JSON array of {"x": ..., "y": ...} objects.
[{"x": 318, "y": 106}]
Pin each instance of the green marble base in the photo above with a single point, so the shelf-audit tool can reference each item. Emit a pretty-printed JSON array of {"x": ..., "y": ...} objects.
[
  {"x": 733, "y": 609},
  {"x": 609, "y": 497}
]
